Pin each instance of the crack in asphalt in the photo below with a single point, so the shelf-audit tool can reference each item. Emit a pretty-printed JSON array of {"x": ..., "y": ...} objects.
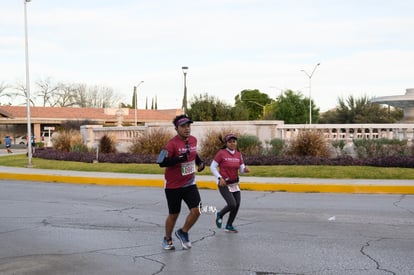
[
  {"x": 210, "y": 235},
  {"x": 396, "y": 204},
  {"x": 45, "y": 222},
  {"x": 135, "y": 219},
  {"x": 273, "y": 273},
  {"x": 119, "y": 193},
  {"x": 378, "y": 265},
  {"x": 94, "y": 226},
  {"x": 163, "y": 265},
  {"x": 107, "y": 251},
  {"x": 16, "y": 230},
  {"x": 122, "y": 209},
  {"x": 264, "y": 194}
]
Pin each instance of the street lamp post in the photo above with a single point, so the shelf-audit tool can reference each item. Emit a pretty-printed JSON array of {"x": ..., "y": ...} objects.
[
  {"x": 185, "y": 70},
  {"x": 136, "y": 101},
  {"x": 29, "y": 127},
  {"x": 310, "y": 91}
]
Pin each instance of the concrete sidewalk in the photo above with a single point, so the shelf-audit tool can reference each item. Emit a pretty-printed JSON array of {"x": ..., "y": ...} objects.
[{"x": 208, "y": 182}]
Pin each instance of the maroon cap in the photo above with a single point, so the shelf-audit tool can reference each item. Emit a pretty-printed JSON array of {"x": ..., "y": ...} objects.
[
  {"x": 182, "y": 121},
  {"x": 229, "y": 136}
]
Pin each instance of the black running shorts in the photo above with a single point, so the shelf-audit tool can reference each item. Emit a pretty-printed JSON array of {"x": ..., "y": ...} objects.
[{"x": 189, "y": 195}]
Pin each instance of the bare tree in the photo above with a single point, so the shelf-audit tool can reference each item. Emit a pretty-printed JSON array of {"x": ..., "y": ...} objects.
[
  {"x": 21, "y": 91},
  {"x": 81, "y": 98},
  {"x": 107, "y": 97},
  {"x": 47, "y": 92},
  {"x": 95, "y": 97},
  {"x": 55, "y": 94},
  {"x": 66, "y": 95},
  {"x": 3, "y": 87}
]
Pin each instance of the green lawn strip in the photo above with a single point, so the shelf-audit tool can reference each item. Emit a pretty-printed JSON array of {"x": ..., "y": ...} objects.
[
  {"x": 308, "y": 171},
  {"x": 337, "y": 172}
]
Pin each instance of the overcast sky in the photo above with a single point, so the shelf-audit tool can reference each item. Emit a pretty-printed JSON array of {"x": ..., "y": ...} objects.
[{"x": 365, "y": 47}]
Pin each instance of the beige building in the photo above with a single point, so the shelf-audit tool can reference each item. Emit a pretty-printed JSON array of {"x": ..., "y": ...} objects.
[{"x": 13, "y": 119}]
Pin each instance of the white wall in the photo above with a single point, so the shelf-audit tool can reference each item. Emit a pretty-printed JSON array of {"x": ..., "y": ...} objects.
[{"x": 265, "y": 130}]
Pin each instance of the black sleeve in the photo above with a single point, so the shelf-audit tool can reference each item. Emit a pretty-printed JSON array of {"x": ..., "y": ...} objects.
[
  {"x": 198, "y": 160},
  {"x": 173, "y": 161}
]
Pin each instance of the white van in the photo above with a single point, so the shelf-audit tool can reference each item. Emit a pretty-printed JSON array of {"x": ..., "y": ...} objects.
[{"x": 46, "y": 139}]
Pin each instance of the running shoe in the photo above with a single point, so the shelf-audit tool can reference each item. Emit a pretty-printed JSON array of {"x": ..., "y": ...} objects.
[
  {"x": 231, "y": 229},
  {"x": 168, "y": 244},
  {"x": 218, "y": 220},
  {"x": 183, "y": 237}
]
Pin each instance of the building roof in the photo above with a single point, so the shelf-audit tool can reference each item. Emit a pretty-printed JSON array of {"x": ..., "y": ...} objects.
[{"x": 104, "y": 115}]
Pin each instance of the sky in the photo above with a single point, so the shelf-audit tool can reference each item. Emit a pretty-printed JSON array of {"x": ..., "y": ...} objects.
[{"x": 364, "y": 47}]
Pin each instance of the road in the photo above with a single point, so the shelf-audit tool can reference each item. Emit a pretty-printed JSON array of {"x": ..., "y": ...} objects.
[{"x": 56, "y": 228}]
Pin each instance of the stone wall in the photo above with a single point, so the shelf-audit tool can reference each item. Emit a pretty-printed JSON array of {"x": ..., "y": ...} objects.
[{"x": 265, "y": 130}]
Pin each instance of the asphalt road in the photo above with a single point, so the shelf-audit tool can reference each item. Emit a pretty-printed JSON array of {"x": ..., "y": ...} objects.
[{"x": 56, "y": 228}]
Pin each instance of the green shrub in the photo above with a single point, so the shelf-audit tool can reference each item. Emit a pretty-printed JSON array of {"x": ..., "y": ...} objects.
[
  {"x": 79, "y": 147},
  {"x": 151, "y": 141},
  {"x": 277, "y": 147},
  {"x": 339, "y": 146},
  {"x": 309, "y": 143},
  {"x": 369, "y": 148},
  {"x": 249, "y": 145}
]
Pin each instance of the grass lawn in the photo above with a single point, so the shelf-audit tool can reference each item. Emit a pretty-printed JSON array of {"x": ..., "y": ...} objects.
[{"x": 309, "y": 171}]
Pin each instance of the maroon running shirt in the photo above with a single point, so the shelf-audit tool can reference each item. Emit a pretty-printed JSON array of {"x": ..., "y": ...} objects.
[
  {"x": 181, "y": 174},
  {"x": 229, "y": 163}
]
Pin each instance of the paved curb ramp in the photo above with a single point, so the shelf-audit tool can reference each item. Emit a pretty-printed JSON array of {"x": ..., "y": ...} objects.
[{"x": 303, "y": 185}]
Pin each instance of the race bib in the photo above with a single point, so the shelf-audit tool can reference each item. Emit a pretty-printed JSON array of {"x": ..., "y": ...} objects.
[
  {"x": 233, "y": 187},
  {"x": 188, "y": 168}
]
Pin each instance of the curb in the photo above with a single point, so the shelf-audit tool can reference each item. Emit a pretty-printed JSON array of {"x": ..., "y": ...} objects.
[{"x": 202, "y": 184}]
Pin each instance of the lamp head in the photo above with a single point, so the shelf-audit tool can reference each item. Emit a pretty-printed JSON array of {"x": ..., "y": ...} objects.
[
  {"x": 142, "y": 81},
  {"x": 185, "y": 69}
]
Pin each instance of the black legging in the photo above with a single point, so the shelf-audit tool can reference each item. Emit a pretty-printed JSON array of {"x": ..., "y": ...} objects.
[{"x": 233, "y": 203}]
